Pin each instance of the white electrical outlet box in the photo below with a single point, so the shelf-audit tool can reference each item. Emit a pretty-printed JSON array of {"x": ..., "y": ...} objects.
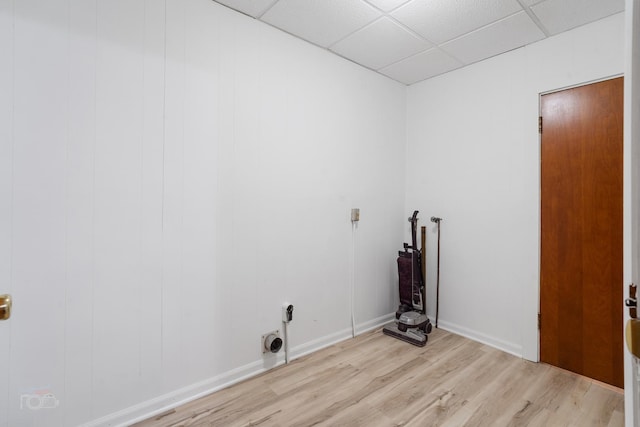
[
  {"x": 287, "y": 312},
  {"x": 355, "y": 215}
]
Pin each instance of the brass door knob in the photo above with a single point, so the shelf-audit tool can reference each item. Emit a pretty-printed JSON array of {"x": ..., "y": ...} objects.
[
  {"x": 632, "y": 333},
  {"x": 5, "y": 307}
]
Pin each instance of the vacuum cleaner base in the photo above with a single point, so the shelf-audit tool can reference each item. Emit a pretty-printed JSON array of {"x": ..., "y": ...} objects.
[
  {"x": 415, "y": 336},
  {"x": 413, "y": 319}
]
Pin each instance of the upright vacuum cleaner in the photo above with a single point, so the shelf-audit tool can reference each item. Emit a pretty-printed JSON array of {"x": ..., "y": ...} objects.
[{"x": 412, "y": 324}]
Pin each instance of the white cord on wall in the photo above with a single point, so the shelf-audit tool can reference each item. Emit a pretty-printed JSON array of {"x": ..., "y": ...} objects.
[
  {"x": 286, "y": 342},
  {"x": 354, "y": 225}
]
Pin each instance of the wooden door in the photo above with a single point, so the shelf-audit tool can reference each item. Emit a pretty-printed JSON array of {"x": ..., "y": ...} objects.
[{"x": 581, "y": 231}]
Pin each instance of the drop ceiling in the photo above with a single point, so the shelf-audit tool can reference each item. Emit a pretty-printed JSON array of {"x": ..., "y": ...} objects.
[{"x": 413, "y": 40}]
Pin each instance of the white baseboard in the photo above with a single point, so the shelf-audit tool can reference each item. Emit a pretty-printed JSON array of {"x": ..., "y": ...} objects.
[
  {"x": 181, "y": 396},
  {"x": 326, "y": 341},
  {"x": 374, "y": 323},
  {"x": 319, "y": 343},
  {"x": 494, "y": 342},
  {"x": 505, "y": 346},
  {"x": 195, "y": 391}
]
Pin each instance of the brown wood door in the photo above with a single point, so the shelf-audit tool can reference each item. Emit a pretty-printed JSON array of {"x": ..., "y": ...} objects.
[{"x": 581, "y": 231}]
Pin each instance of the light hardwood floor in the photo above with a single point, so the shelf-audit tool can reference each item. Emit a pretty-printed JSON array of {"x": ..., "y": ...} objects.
[{"x": 376, "y": 380}]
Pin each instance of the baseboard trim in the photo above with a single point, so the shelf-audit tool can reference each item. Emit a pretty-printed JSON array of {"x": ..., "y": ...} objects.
[
  {"x": 345, "y": 334},
  {"x": 184, "y": 395},
  {"x": 375, "y": 323},
  {"x": 506, "y": 346},
  {"x": 319, "y": 343},
  {"x": 181, "y": 396}
]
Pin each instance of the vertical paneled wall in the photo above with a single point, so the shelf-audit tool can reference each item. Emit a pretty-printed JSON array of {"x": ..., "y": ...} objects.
[
  {"x": 6, "y": 190},
  {"x": 39, "y": 200},
  {"x": 170, "y": 173},
  {"x": 79, "y": 203}
]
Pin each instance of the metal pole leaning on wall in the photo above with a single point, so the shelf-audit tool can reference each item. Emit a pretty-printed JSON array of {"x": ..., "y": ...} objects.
[
  {"x": 437, "y": 221},
  {"x": 423, "y": 261}
]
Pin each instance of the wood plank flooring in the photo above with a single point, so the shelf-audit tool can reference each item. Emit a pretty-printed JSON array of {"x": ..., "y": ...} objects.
[{"x": 376, "y": 380}]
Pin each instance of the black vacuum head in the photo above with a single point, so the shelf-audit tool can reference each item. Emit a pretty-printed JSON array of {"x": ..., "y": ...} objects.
[{"x": 413, "y": 335}]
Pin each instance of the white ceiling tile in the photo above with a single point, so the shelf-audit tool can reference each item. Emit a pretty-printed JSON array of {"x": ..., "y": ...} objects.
[
  {"x": 380, "y": 44},
  {"x": 384, "y": 35},
  {"x": 387, "y": 5},
  {"x": 502, "y": 36},
  {"x": 253, "y": 8},
  {"x": 322, "y": 22},
  {"x": 442, "y": 20},
  {"x": 562, "y": 15},
  {"x": 421, "y": 66}
]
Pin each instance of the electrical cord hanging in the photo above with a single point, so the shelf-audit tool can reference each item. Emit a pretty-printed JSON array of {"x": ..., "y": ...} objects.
[
  {"x": 286, "y": 342},
  {"x": 353, "y": 277}
]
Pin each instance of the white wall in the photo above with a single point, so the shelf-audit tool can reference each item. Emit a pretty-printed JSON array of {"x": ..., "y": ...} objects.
[
  {"x": 473, "y": 159},
  {"x": 169, "y": 175},
  {"x": 6, "y": 120}
]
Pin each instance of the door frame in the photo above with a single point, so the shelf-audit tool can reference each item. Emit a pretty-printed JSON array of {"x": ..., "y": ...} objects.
[{"x": 631, "y": 194}]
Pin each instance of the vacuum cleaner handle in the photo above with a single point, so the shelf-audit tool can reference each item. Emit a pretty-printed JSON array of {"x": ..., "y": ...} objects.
[{"x": 414, "y": 224}]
